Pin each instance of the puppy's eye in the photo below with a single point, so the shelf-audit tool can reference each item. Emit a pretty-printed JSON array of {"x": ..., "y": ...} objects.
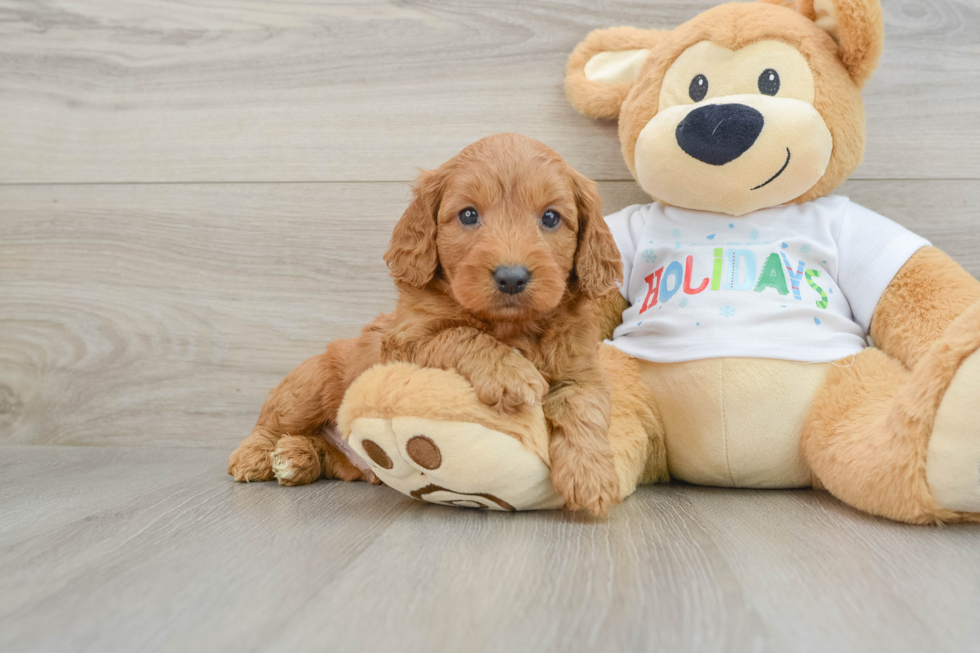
[
  {"x": 769, "y": 82},
  {"x": 550, "y": 219},
  {"x": 469, "y": 216},
  {"x": 698, "y": 88}
]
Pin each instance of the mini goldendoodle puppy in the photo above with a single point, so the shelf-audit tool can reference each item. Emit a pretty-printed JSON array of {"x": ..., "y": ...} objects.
[{"x": 501, "y": 261}]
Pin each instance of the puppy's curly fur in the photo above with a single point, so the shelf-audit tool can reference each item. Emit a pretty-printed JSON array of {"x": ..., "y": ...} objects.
[{"x": 537, "y": 345}]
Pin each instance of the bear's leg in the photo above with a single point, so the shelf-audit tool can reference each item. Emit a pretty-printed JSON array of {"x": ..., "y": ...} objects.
[{"x": 903, "y": 444}]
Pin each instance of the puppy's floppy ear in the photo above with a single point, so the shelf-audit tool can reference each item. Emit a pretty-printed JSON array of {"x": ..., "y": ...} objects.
[
  {"x": 412, "y": 256},
  {"x": 602, "y": 68},
  {"x": 858, "y": 28},
  {"x": 598, "y": 266}
]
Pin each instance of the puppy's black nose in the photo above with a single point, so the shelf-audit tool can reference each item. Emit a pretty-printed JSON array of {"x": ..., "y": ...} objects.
[
  {"x": 511, "y": 279},
  {"x": 719, "y": 133}
]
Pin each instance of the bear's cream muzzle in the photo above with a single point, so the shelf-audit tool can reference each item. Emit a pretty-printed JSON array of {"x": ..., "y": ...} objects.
[{"x": 733, "y": 154}]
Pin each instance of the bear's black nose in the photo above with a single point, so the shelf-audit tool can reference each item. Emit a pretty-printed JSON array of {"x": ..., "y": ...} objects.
[
  {"x": 719, "y": 133},
  {"x": 511, "y": 279}
]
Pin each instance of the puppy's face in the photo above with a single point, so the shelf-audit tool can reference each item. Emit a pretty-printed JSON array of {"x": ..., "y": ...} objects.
[
  {"x": 507, "y": 235},
  {"x": 510, "y": 225}
]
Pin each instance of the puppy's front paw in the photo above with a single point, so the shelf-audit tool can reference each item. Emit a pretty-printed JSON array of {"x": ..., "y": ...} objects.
[
  {"x": 250, "y": 463},
  {"x": 515, "y": 383},
  {"x": 296, "y": 461},
  {"x": 585, "y": 477}
]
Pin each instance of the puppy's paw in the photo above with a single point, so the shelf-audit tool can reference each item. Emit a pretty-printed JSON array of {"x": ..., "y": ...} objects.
[
  {"x": 513, "y": 384},
  {"x": 585, "y": 477},
  {"x": 295, "y": 461},
  {"x": 249, "y": 463}
]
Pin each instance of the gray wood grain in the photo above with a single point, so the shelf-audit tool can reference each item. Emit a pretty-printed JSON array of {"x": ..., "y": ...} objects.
[
  {"x": 44, "y": 488},
  {"x": 804, "y": 576},
  {"x": 168, "y": 90},
  {"x": 193, "y": 561},
  {"x": 162, "y": 314}
]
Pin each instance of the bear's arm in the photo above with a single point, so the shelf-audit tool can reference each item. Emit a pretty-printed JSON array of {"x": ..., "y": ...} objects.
[
  {"x": 610, "y": 309},
  {"x": 927, "y": 294}
]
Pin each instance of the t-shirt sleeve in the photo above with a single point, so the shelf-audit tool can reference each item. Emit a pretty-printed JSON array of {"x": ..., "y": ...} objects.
[
  {"x": 872, "y": 249},
  {"x": 619, "y": 225}
]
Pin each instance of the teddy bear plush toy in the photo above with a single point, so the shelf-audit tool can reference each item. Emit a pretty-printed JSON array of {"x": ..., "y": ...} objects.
[{"x": 749, "y": 296}]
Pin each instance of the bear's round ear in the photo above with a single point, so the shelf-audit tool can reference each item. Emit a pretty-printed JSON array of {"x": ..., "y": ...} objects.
[
  {"x": 602, "y": 68},
  {"x": 858, "y": 28}
]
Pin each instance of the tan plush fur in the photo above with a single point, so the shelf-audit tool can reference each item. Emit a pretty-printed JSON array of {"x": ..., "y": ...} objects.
[
  {"x": 923, "y": 299},
  {"x": 603, "y": 100},
  {"x": 536, "y": 346},
  {"x": 732, "y": 422},
  {"x": 868, "y": 432},
  {"x": 859, "y": 30}
]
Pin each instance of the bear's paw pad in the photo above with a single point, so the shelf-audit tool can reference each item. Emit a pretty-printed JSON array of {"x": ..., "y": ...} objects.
[{"x": 454, "y": 463}]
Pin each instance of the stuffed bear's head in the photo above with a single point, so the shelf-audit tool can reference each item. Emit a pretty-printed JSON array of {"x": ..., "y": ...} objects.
[{"x": 746, "y": 106}]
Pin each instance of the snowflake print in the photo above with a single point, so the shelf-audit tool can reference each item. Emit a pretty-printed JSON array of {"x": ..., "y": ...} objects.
[
  {"x": 731, "y": 225},
  {"x": 754, "y": 234},
  {"x": 728, "y": 311},
  {"x": 683, "y": 302},
  {"x": 804, "y": 249},
  {"x": 649, "y": 256},
  {"x": 676, "y": 233}
]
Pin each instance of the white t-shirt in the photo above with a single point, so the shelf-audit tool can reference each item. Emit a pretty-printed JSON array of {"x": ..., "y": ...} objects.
[{"x": 796, "y": 282}]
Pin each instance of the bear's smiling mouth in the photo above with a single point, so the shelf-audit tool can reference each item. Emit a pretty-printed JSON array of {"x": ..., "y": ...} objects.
[{"x": 775, "y": 175}]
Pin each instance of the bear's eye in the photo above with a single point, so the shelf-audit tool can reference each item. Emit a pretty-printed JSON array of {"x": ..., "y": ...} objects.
[
  {"x": 550, "y": 219},
  {"x": 698, "y": 88},
  {"x": 769, "y": 82},
  {"x": 469, "y": 216}
]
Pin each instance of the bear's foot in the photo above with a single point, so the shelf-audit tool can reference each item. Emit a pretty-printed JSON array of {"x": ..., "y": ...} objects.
[
  {"x": 953, "y": 459},
  {"x": 454, "y": 463}
]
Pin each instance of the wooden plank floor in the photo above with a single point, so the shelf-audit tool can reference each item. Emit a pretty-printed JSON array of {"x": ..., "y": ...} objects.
[
  {"x": 195, "y": 196},
  {"x": 151, "y": 549}
]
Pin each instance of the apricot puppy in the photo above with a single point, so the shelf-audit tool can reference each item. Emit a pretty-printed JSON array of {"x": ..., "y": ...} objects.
[{"x": 501, "y": 262}]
